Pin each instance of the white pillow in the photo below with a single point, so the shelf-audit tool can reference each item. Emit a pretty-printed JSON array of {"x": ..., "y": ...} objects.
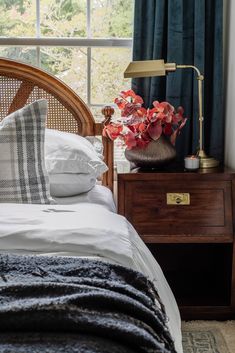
[
  {"x": 66, "y": 185},
  {"x": 99, "y": 194},
  {"x": 97, "y": 144},
  {"x": 71, "y": 153}
]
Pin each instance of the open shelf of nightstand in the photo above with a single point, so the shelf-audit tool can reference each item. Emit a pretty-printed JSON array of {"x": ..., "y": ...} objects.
[{"x": 199, "y": 274}]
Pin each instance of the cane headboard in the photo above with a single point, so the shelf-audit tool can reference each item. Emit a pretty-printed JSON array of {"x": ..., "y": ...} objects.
[{"x": 21, "y": 84}]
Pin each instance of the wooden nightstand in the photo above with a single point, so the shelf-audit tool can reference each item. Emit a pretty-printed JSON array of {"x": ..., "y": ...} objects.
[{"x": 186, "y": 220}]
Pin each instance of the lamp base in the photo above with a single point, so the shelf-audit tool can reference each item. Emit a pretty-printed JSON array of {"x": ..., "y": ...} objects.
[{"x": 205, "y": 161}]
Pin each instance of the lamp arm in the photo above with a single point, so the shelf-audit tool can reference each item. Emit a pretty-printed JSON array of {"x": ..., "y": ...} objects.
[
  {"x": 189, "y": 67},
  {"x": 200, "y": 78}
]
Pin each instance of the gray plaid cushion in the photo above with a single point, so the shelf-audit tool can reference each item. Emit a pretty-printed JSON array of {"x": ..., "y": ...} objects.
[{"x": 23, "y": 176}]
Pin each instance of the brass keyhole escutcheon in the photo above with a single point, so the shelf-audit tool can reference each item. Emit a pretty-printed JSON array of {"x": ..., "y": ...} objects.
[{"x": 178, "y": 198}]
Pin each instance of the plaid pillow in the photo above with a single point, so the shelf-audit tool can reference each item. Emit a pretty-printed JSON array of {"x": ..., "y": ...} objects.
[{"x": 23, "y": 176}]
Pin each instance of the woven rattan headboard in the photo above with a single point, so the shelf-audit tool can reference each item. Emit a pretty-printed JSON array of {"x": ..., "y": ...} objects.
[{"x": 21, "y": 84}]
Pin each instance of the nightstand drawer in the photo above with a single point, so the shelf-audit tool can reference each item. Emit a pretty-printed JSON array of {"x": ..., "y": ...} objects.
[{"x": 180, "y": 208}]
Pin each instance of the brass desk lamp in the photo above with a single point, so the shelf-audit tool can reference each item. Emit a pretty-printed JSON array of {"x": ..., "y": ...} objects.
[{"x": 148, "y": 68}]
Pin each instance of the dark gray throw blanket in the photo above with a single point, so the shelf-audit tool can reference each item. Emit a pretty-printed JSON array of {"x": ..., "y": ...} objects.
[{"x": 67, "y": 304}]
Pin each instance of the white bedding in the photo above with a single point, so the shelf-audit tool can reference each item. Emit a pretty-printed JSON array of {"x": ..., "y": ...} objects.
[
  {"x": 84, "y": 229},
  {"x": 99, "y": 194}
]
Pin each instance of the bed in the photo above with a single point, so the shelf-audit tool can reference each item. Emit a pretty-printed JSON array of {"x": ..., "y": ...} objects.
[{"x": 79, "y": 232}]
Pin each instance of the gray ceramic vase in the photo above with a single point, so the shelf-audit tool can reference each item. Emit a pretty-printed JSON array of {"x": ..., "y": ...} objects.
[{"x": 157, "y": 153}]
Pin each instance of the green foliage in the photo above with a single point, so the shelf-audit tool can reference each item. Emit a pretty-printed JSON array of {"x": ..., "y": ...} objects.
[
  {"x": 26, "y": 54},
  {"x": 64, "y": 18},
  {"x": 107, "y": 79},
  {"x": 20, "y": 5},
  {"x": 112, "y": 18},
  {"x": 19, "y": 18}
]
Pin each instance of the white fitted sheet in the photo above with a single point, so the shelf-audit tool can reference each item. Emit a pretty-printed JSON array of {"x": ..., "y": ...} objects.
[
  {"x": 99, "y": 194},
  {"x": 84, "y": 229}
]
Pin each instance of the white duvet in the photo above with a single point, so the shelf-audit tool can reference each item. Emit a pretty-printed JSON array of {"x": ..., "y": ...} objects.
[{"x": 84, "y": 230}]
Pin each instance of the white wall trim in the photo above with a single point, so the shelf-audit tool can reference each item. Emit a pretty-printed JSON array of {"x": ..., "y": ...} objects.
[{"x": 229, "y": 84}]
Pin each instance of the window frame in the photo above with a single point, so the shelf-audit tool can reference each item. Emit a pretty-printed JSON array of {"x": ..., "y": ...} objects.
[{"x": 89, "y": 42}]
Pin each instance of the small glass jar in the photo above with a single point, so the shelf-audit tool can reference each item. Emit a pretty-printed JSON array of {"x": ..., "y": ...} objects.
[{"x": 191, "y": 162}]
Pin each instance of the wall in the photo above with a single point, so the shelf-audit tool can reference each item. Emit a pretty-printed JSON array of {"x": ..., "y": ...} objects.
[{"x": 229, "y": 82}]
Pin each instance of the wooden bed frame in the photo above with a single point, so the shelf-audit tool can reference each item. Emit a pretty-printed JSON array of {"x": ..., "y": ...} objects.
[{"x": 22, "y": 84}]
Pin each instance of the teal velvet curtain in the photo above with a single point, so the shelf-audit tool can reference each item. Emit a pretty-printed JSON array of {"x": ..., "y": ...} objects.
[{"x": 185, "y": 32}]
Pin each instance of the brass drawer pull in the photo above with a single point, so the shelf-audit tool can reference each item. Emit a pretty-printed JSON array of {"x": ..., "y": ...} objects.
[{"x": 178, "y": 198}]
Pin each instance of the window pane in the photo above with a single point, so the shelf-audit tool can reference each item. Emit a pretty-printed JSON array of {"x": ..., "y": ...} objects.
[
  {"x": 65, "y": 18},
  {"x": 18, "y": 18},
  {"x": 96, "y": 111},
  {"x": 25, "y": 54},
  {"x": 107, "y": 67},
  {"x": 113, "y": 18},
  {"x": 68, "y": 64}
]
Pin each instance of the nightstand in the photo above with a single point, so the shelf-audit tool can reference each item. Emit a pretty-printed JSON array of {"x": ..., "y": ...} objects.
[{"x": 186, "y": 220}]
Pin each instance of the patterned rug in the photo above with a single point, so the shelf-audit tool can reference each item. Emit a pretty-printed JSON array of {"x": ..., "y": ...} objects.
[
  {"x": 210, "y": 341},
  {"x": 208, "y": 337}
]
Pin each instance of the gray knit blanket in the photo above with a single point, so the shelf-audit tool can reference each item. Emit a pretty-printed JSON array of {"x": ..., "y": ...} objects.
[{"x": 67, "y": 304}]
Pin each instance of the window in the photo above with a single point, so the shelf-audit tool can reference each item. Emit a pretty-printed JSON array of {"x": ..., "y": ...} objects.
[{"x": 86, "y": 43}]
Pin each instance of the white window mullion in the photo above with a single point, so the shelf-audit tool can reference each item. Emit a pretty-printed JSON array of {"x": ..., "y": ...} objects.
[
  {"x": 70, "y": 42},
  {"x": 89, "y": 76},
  {"x": 88, "y": 18},
  {"x": 38, "y": 56},
  {"x": 38, "y": 31},
  {"x": 99, "y": 105},
  {"x": 88, "y": 23}
]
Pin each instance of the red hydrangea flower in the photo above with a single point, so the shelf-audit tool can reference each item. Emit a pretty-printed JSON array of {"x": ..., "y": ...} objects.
[
  {"x": 112, "y": 130},
  {"x": 138, "y": 126}
]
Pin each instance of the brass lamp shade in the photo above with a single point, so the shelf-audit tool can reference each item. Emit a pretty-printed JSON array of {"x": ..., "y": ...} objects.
[{"x": 148, "y": 68}]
